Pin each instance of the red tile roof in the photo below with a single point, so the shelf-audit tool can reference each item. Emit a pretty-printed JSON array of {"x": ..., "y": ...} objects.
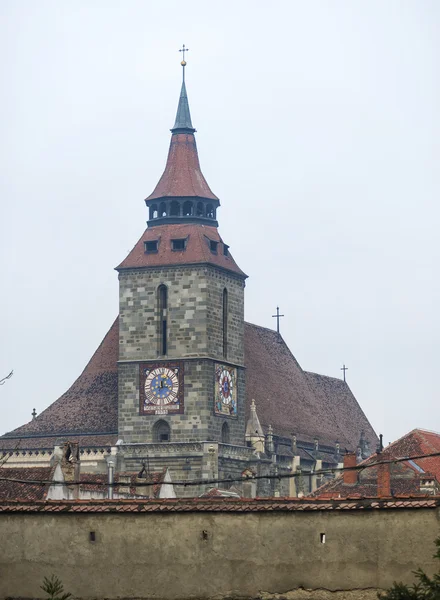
[
  {"x": 14, "y": 490},
  {"x": 90, "y": 405},
  {"x": 197, "y": 249},
  {"x": 404, "y": 477},
  {"x": 304, "y": 403},
  {"x": 99, "y": 482},
  {"x": 241, "y": 505},
  {"x": 182, "y": 175}
]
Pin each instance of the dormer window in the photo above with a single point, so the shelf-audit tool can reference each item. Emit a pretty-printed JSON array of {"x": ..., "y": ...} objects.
[
  {"x": 151, "y": 247},
  {"x": 179, "y": 244},
  {"x": 225, "y": 250},
  {"x": 213, "y": 246}
]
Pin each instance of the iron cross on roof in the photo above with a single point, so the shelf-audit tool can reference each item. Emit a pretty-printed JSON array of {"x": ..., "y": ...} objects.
[
  {"x": 344, "y": 368},
  {"x": 278, "y": 317},
  {"x": 183, "y": 63},
  {"x": 184, "y": 49}
]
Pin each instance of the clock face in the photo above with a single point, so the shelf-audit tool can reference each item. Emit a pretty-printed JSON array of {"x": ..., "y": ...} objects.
[
  {"x": 225, "y": 386},
  {"x": 225, "y": 402},
  {"x": 161, "y": 389},
  {"x": 161, "y": 386}
]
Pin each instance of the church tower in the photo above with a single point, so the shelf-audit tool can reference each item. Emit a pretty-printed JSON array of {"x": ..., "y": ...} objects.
[{"x": 181, "y": 313}]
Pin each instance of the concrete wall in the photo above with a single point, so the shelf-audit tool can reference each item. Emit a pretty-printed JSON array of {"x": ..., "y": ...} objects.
[{"x": 166, "y": 555}]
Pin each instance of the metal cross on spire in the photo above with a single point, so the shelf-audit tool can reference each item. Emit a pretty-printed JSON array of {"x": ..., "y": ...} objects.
[
  {"x": 344, "y": 368},
  {"x": 278, "y": 317},
  {"x": 183, "y": 63}
]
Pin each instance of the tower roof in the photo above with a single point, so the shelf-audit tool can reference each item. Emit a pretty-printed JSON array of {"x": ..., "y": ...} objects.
[
  {"x": 182, "y": 176},
  {"x": 183, "y": 116},
  {"x": 198, "y": 248}
]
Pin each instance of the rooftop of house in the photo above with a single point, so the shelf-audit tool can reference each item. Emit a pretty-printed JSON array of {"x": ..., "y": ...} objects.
[
  {"x": 406, "y": 477},
  {"x": 22, "y": 483}
]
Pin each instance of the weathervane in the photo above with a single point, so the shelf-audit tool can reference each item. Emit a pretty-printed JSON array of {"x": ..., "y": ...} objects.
[
  {"x": 344, "y": 368},
  {"x": 183, "y": 63},
  {"x": 278, "y": 317}
]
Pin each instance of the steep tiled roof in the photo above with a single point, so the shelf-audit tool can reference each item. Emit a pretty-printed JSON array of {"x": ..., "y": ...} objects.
[
  {"x": 241, "y": 505},
  {"x": 182, "y": 176},
  {"x": 289, "y": 403},
  {"x": 292, "y": 400},
  {"x": 417, "y": 442},
  {"x": 197, "y": 249},
  {"x": 338, "y": 397},
  {"x": 88, "y": 407},
  {"x": 13, "y": 490}
]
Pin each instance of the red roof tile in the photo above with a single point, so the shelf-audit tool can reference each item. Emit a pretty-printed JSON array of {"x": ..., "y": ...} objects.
[
  {"x": 405, "y": 478},
  {"x": 306, "y": 404},
  {"x": 197, "y": 249},
  {"x": 88, "y": 406},
  {"x": 14, "y": 490},
  {"x": 217, "y": 505},
  {"x": 182, "y": 175}
]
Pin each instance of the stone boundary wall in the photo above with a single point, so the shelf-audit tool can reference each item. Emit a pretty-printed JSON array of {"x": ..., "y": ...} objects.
[{"x": 202, "y": 551}]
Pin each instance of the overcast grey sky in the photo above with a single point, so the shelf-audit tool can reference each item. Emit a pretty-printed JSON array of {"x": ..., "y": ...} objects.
[{"x": 318, "y": 128}]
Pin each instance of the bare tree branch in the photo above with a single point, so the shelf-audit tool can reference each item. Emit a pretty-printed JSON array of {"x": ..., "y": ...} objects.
[{"x": 2, "y": 381}]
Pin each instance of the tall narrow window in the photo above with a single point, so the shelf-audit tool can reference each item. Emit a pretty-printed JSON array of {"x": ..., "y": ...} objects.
[
  {"x": 163, "y": 306},
  {"x": 225, "y": 434},
  {"x": 225, "y": 323}
]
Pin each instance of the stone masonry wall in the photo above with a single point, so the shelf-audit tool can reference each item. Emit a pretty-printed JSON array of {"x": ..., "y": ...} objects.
[
  {"x": 198, "y": 421},
  {"x": 195, "y": 334},
  {"x": 195, "y": 296}
]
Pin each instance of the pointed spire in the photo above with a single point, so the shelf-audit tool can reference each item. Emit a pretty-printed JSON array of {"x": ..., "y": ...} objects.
[
  {"x": 183, "y": 116},
  {"x": 253, "y": 426}
]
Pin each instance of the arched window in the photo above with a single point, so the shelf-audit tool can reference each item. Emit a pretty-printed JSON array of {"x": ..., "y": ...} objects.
[
  {"x": 225, "y": 323},
  {"x": 153, "y": 211},
  {"x": 200, "y": 210},
  {"x": 161, "y": 431},
  {"x": 163, "y": 209},
  {"x": 162, "y": 328},
  {"x": 210, "y": 211},
  {"x": 175, "y": 209},
  {"x": 188, "y": 209},
  {"x": 225, "y": 434}
]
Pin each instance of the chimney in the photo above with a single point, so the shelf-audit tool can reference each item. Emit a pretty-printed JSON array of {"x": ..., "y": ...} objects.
[
  {"x": 111, "y": 479},
  {"x": 383, "y": 480},
  {"x": 350, "y": 477}
]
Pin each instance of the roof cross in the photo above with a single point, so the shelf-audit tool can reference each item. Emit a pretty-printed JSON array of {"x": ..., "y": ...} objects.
[
  {"x": 183, "y": 63},
  {"x": 344, "y": 368},
  {"x": 278, "y": 317},
  {"x": 184, "y": 49}
]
